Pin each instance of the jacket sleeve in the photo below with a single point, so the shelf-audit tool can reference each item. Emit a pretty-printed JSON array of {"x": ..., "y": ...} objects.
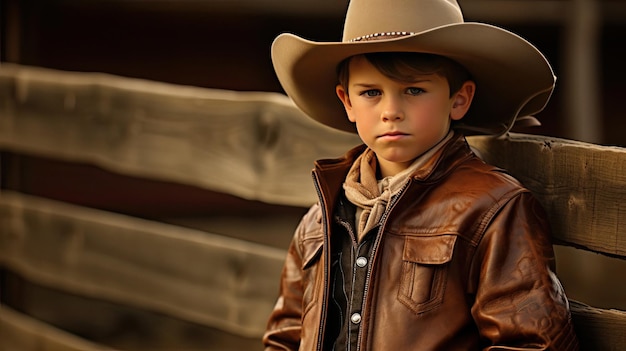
[
  {"x": 285, "y": 322},
  {"x": 520, "y": 303}
]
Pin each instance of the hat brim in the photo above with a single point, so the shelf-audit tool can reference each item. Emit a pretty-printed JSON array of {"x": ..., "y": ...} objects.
[{"x": 513, "y": 78}]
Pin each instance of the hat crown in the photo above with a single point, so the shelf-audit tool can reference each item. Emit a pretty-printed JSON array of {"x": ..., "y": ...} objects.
[{"x": 367, "y": 17}]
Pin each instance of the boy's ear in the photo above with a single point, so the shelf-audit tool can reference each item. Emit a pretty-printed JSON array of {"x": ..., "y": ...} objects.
[
  {"x": 462, "y": 100},
  {"x": 345, "y": 100}
]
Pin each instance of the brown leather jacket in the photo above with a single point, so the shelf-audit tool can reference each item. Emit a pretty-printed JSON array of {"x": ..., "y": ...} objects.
[{"x": 463, "y": 262}]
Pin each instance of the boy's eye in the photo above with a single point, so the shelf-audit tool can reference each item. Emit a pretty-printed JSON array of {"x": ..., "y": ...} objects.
[
  {"x": 414, "y": 91},
  {"x": 370, "y": 93}
]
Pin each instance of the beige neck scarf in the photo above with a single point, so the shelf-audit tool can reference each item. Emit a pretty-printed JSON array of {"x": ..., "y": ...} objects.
[{"x": 372, "y": 196}]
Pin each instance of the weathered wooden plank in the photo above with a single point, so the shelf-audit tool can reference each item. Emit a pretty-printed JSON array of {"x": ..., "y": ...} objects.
[
  {"x": 599, "y": 329},
  {"x": 23, "y": 333},
  {"x": 119, "y": 326},
  {"x": 195, "y": 276},
  {"x": 581, "y": 185},
  {"x": 254, "y": 145}
]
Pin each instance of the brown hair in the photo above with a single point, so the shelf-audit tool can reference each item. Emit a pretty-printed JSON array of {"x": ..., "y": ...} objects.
[{"x": 404, "y": 66}]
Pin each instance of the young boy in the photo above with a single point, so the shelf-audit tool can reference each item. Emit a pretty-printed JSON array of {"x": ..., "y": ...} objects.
[{"x": 416, "y": 244}]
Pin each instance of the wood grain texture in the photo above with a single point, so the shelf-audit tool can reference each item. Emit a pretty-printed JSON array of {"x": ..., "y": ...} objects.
[
  {"x": 254, "y": 145},
  {"x": 599, "y": 329},
  {"x": 196, "y": 276},
  {"x": 23, "y": 333},
  {"x": 581, "y": 185}
]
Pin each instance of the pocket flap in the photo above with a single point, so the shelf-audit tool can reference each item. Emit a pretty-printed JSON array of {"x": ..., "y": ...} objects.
[
  {"x": 311, "y": 251},
  {"x": 429, "y": 249}
]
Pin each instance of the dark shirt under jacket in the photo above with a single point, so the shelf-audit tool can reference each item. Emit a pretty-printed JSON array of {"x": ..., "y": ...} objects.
[{"x": 350, "y": 262}]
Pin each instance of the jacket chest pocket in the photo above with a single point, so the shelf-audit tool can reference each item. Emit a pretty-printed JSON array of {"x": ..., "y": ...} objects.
[{"x": 424, "y": 271}]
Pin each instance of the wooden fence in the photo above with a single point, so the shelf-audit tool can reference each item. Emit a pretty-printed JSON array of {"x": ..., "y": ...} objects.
[{"x": 66, "y": 265}]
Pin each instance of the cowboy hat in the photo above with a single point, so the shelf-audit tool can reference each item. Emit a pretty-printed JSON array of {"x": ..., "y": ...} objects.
[{"x": 513, "y": 78}]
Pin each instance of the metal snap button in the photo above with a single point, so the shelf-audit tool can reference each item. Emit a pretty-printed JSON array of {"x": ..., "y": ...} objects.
[{"x": 361, "y": 261}]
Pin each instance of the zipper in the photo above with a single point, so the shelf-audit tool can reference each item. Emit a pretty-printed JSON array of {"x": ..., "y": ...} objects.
[
  {"x": 325, "y": 219},
  {"x": 379, "y": 235},
  {"x": 349, "y": 227},
  {"x": 353, "y": 250}
]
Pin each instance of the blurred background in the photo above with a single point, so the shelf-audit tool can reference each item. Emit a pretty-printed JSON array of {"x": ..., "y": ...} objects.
[{"x": 224, "y": 44}]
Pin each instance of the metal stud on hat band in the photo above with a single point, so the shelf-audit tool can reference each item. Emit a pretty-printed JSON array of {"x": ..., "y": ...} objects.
[{"x": 377, "y": 35}]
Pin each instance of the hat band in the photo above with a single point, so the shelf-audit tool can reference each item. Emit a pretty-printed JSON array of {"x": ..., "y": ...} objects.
[{"x": 378, "y": 36}]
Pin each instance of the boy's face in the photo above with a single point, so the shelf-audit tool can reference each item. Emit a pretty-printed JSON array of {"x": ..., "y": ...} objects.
[{"x": 400, "y": 121}]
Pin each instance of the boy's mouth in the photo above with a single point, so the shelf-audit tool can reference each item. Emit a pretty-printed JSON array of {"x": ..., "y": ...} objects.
[{"x": 393, "y": 135}]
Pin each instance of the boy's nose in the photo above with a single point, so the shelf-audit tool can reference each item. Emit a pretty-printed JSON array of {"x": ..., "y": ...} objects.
[{"x": 392, "y": 111}]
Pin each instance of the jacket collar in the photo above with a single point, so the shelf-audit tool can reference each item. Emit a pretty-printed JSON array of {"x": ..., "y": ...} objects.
[
  {"x": 445, "y": 160},
  {"x": 331, "y": 173}
]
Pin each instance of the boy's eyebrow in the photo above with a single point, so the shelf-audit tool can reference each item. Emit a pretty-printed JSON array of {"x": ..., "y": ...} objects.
[{"x": 364, "y": 85}]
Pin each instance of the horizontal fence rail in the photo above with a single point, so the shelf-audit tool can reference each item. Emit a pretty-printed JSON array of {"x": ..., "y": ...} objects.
[
  {"x": 196, "y": 276},
  {"x": 254, "y": 145},
  {"x": 21, "y": 332},
  {"x": 581, "y": 185}
]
